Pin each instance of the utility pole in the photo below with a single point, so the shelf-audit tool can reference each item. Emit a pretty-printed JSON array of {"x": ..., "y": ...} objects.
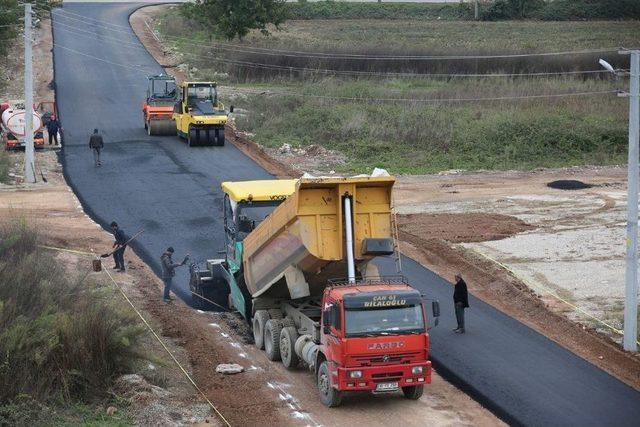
[
  {"x": 631, "y": 276},
  {"x": 476, "y": 13},
  {"x": 29, "y": 166}
]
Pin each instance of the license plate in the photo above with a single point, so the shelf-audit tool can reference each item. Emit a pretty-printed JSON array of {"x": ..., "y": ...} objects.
[{"x": 387, "y": 386}]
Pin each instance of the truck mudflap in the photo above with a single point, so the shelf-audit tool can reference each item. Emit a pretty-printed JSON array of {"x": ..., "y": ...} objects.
[{"x": 383, "y": 379}]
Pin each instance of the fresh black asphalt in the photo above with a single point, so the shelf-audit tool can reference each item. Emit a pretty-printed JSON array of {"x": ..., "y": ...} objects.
[{"x": 173, "y": 192}]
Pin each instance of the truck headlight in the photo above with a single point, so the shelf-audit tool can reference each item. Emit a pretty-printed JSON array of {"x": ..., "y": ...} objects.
[
  {"x": 355, "y": 374},
  {"x": 417, "y": 370}
]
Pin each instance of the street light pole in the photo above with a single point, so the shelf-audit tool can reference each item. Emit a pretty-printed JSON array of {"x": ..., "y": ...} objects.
[
  {"x": 29, "y": 172},
  {"x": 631, "y": 276}
]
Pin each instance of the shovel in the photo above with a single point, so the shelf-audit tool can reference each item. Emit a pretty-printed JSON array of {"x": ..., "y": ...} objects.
[{"x": 107, "y": 255}]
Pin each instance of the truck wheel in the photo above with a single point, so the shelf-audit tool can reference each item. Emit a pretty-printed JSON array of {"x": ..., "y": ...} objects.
[
  {"x": 413, "y": 392},
  {"x": 259, "y": 322},
  {"x": 272, "y": 338},
  {"x": 220, "y": 137},
  {"x": 288, "y": 337},
  {"x": 189, "y": 141},
  {"x": 275, "y": 314},
  {"x": 328, "y": 395}
]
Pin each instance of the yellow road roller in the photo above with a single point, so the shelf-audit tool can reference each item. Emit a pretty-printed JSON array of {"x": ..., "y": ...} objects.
[{"x": 200, "y": 118}]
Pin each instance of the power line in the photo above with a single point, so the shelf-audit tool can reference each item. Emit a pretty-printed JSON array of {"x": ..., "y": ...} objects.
[
  {"x": 136, "y": 45},
  {"x": 294, "y": 53},
  {"x": 363, "y": 99},
  {"x": 437, "y": 100}
]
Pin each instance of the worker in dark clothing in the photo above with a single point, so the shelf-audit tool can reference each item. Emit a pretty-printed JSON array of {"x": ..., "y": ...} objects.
[
  {"x": 96, "y": 144},
  {"x": 460, "y": 301},
  {"x": 121, "y": 244},
  {"x": 169, "y": 270},
  {"x": 53, "y": 126}
]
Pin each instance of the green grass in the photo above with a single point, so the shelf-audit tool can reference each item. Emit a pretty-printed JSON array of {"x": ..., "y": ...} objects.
[
  {"x": 559, "y": 10},
  {"x": 354, "y": 10},
  {"x": 416, "y": 137},
  {"x": 28, "y": 412},
  {"x": 63, "y": 338},
  {"x": 450, "y": 37},
  {"x": 5, "y": 166}
]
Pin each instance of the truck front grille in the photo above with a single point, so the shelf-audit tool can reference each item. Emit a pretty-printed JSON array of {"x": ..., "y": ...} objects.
[
  {"x": 386, "y": 376},
  {"x": 387, "y": 359}
]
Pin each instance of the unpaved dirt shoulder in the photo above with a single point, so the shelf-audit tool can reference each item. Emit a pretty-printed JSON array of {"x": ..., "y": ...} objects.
[{"x": 497, "y": 287}]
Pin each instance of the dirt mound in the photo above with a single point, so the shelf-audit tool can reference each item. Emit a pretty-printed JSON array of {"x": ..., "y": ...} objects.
[
  {"x": 461, "y": 227},
  {"x": 568, "y": 184}
]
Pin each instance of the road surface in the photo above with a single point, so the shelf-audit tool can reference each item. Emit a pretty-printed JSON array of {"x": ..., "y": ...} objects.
[{"x": 172, "y": 191}]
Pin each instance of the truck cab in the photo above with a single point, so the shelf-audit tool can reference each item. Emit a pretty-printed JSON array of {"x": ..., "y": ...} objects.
[{"x": 374, "y": 338}]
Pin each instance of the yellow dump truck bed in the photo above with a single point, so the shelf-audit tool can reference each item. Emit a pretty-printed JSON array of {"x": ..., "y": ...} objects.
[{"x": 300, "y": 245}]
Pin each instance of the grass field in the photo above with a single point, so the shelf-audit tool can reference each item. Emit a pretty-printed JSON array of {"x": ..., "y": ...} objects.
[
  {"x": 451, "y": 37},
  {"x": 414, "y": 136}
]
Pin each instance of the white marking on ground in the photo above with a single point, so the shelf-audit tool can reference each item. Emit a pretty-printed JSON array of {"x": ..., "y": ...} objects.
[{"x": 293, "y": 403}]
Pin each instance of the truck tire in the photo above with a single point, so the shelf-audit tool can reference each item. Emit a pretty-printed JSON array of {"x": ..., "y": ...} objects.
[
  {"x": 259, "y": 322},
  {"x": 413, "y": 392},
  {"x": 288, "y": 337},
  {"x": 275, "y": 313},
  {"x": 192, "y": 139},
  {"x": 272, "y": 339},
  {"x": 220, "y": 137},
  {"x": 328, "y": 395}
]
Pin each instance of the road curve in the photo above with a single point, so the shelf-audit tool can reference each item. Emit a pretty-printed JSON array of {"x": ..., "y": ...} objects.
[{"x": 172, "y": 191}]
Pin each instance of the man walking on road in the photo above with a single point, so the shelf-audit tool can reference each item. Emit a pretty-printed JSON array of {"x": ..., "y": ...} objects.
[
  {"x": 460, "y": 301},
  {"x": 53, "y": 126},
  {"x": 121, "y": 244},
  {"x": 96, "y": 144},
  {"x": 169, "y": 270}
]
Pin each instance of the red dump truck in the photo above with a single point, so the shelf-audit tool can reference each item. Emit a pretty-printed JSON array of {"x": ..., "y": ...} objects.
[{"x": 359, "y": 333}]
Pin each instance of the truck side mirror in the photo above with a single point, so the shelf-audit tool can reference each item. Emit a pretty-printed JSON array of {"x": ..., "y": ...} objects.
[
  {"x": 231, "y": 109},
  {"x": 435, "y": 308}
]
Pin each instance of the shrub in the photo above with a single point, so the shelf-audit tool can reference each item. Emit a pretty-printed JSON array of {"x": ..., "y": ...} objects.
[
  {"x": 58, "y": 337},
  {"x": 352, "y": 10},
  {"x": 564, "y": 10},
  {"x": 511, "y": 9}
]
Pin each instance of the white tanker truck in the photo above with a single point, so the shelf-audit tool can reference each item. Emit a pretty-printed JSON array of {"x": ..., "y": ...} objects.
[{"x": 12, "y": 123}]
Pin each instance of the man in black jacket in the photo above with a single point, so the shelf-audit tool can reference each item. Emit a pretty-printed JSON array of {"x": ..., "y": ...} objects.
[
  {"x": 460, "y": 301},
  {"x": 53, "y": 126},
  {"x": 120, "y": 243},
  {"x": 96, "y": 144}
]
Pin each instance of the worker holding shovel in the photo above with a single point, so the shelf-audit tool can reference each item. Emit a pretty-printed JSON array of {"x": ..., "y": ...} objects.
[
  {"x": 120, "y": 245},
  {"x": 169, "y": 270}
]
